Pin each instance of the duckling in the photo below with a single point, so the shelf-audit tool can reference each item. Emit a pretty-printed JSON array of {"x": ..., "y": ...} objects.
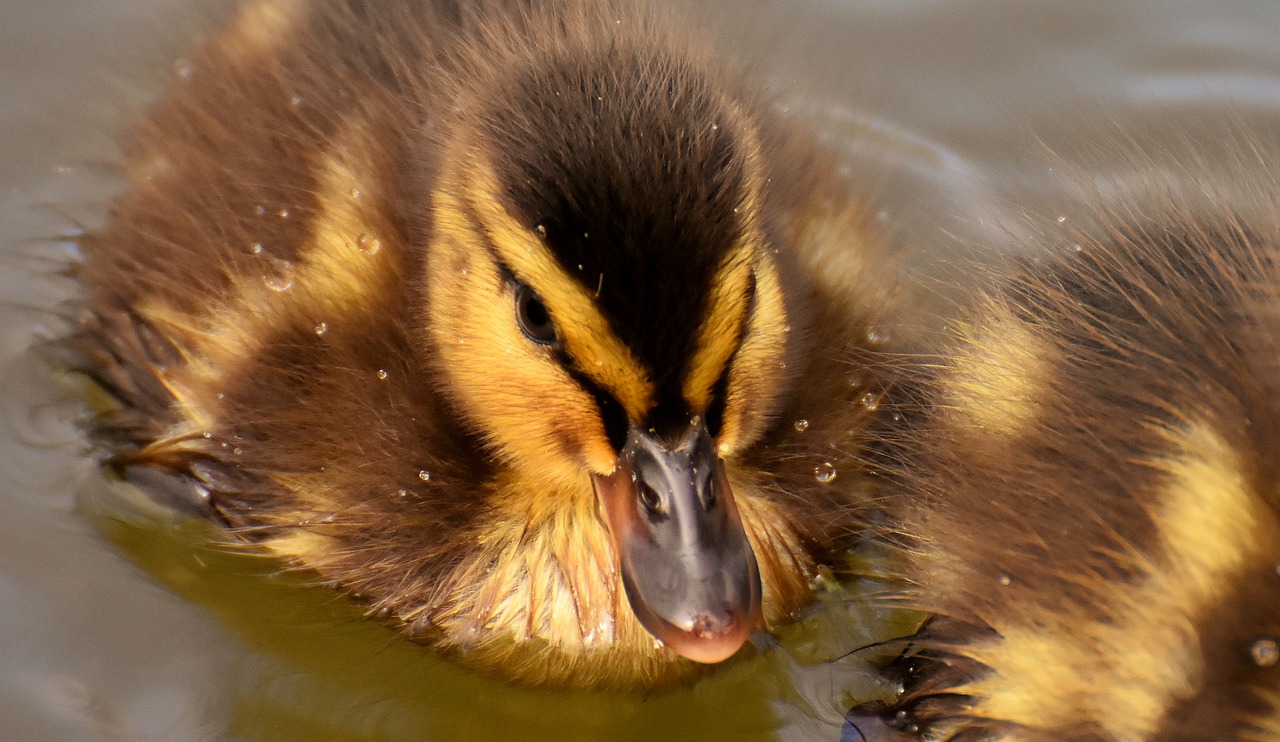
[
  {"x": 1087, "y": 497},
  {"x": 524, "y": 323}
]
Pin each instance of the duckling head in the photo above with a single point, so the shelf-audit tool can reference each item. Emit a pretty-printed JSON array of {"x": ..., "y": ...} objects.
[{"x": 604, "y": 309}]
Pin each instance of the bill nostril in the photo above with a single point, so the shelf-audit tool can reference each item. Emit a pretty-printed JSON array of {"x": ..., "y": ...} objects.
[
  {"x": 706, "y": 489},
  {"x": 651, "y": 501}
]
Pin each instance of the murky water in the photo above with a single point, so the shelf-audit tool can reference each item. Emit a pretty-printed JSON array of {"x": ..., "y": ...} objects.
[{"x": 948, "y": 108}]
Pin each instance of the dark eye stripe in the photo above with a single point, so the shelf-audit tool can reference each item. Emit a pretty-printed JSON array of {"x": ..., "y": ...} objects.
[{"x": 612, "y": 415}]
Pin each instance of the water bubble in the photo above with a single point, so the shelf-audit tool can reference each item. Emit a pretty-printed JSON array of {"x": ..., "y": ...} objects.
[
  {"x": 295, "y": 101},
  {"x": 541, "y": 230},
  {"x": 403, "y": 492},
  {"x": 356, "y": 193},
  {"x": 801, "y": 425},
  {"x": 382, "y": 374},
  {"x": 368, "y": 244},
  {"x": 322, "y": 328},
  {"x": 877, "y": 336},
  {"x": 1005, "y": 579},
  {"x": 825, "y": 472},
  {"x": 871, "y": 401},
  {"x": 424, "y": 475},
  {"x": 284, "y": 213},
  {"x": 256, "y": 248},
  {"x": 1265, "y": 652},
  {"x": 260, "y": 210},
  {"x": 1062, "y": 218},
  {"x": 281, "y": 276}
]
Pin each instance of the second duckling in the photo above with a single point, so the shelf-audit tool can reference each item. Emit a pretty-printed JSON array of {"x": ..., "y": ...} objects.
[{"x": 1089, "y": 500}]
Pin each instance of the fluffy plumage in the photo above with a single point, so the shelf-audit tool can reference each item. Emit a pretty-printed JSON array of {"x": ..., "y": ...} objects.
[
  {"x": 1088, "y": 496},
  {"x": 304, "y": 304}
]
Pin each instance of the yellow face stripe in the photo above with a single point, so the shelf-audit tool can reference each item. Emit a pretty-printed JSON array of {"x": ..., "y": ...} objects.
[
  {"x": 725, "y": 320},
  {"x": 721, "y": 329},
  {"x": 583, "y": 331},
  {"x": 753, "y": 377}
]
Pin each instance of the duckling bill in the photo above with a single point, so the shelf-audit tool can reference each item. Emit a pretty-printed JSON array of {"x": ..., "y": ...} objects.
[
  {"x": 686, "y": 564},
  {"x": 491, "y": 315}
]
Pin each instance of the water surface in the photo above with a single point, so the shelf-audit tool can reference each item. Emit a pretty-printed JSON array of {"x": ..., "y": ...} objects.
[{"x": 946, "y": 108}]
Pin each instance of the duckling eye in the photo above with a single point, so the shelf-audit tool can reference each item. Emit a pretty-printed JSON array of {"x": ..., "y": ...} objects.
[{"x": 531, "y": 314}]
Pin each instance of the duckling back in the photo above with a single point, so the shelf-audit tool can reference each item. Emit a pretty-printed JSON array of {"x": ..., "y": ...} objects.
[{"x": 1088, "y": 497}]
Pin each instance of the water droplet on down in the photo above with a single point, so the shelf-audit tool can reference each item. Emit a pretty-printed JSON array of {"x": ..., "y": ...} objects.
[
  {"x": 281, "y": 276},
  {"x": 1265, "y": 652}
]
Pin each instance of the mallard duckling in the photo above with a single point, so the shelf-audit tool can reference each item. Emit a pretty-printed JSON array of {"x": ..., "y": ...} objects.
[
  {"x": 1089, "y": 498},
  {"x": 496, "y": 317}
]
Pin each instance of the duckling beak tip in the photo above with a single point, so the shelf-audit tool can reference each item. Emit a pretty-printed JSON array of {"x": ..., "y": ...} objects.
[{"x": 687, "y": 567}]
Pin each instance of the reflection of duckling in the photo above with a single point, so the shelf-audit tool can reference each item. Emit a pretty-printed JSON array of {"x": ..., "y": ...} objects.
[
  {"x": 1091, "y": 496},
  {"x": 491, "y": 318}
]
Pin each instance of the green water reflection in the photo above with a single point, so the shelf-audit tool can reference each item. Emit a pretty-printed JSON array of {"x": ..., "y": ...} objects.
[{"x": 330, "y": 673}]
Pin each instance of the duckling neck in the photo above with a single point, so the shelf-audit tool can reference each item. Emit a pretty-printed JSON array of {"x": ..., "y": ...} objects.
[
  {"x": 545, "y": 573},
  {"x": 543, "y": 568}
]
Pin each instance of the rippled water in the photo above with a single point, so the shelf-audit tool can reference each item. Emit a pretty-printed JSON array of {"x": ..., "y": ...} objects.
[{"x": 948, "y": 109}]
